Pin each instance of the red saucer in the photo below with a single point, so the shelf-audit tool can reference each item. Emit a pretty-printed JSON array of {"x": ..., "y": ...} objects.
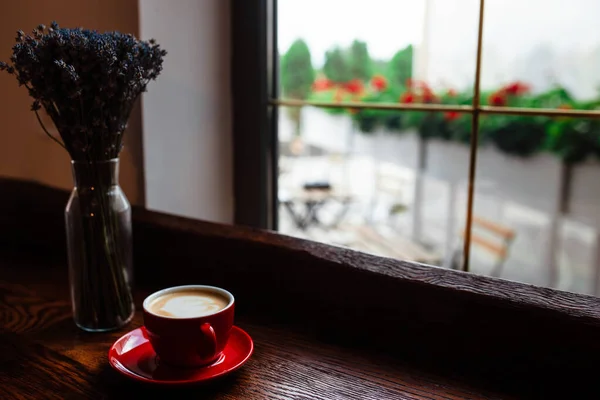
[{"x": 133, "y": 356}]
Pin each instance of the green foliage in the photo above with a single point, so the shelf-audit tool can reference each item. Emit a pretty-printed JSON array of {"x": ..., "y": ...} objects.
[
  {"x": 367, "y": 121},
  {"x": 336, "y": 67},
  {"x": 573, "y": 140},
  {"x": 297, "y": 77},
  {"x": 297, "y": 73},
  {"x": 343, "y": 65},
  {"x": 461, "y": 129},
  {"x": 517, "y": 135},
  {"x": 380, "y": 67},
  {"x": 433, "y": 125},
  {"x": 400, "y": 66},
  {"x": 361, "y": 65},
  {"x": 553, "y": 98},
  {"x": 328, "y": 96}
]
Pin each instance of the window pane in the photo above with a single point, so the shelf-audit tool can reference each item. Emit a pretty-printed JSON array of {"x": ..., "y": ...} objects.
[
  {"x": 537, "y": 200},
  {"x": 387, "y": 188},
  {"x": 385, "y": 192},
  {"x": 377, "y": 51},
  {"x": 394, "y": 183},
  {"x": 548, "y": 58}
]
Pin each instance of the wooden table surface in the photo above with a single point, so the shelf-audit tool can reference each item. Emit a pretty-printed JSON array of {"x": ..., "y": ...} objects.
[{"x": 43, "y": 355}]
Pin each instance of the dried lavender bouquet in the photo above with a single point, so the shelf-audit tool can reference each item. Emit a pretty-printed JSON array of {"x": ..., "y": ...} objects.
[{"x": 88, "y": 82}]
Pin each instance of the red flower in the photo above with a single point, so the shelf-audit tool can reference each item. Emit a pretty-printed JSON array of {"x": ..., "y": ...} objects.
[
  {"x": 497, "y": 99},
  {"x": 451, "y": 115},
  {"x": 424, "y": 86},
  {"x": 407, "y": 98},
  {"x": 355, "y": 86},
  {"x": 379, "y": 82},
  {"x": 428, "y": 96},
  {"x": 452, "y": 93},
  {"x": 321, "y": 84},
  {"x": 516, "y": 88}
]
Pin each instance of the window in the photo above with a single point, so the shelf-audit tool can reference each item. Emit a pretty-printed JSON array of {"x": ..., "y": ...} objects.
[{"x": 372, "y": 106}]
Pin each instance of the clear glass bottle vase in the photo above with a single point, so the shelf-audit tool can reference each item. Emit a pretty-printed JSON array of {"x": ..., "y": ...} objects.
[{"x": 99, "y": 246}]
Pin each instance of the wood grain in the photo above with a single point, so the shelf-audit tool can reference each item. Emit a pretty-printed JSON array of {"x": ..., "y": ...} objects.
[
  {"x": 59, "y": 362},
  {"x": 497, "y": 333},
  {"x": 20, "y": 312},
  {"x": 31, "y": 371},
  {"x": 39, "y": 228},
  {"x": 489, "y": 330}
]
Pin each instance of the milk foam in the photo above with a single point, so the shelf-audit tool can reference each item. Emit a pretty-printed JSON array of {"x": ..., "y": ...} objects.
[{"x": 191, "y": 306}]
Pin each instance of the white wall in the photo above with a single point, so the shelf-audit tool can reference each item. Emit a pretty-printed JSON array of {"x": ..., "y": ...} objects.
[{"x": 186, "y": 113}]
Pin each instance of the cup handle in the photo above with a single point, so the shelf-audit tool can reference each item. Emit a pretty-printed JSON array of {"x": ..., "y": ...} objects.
[{"x": 210, "y": 338}]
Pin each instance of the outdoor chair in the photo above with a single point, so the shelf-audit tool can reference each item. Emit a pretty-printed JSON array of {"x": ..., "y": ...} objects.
[{"x": 490, "y": 236}]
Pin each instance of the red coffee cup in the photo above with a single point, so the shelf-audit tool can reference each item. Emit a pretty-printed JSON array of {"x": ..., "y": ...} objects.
[{"x": 189, "y": 341}]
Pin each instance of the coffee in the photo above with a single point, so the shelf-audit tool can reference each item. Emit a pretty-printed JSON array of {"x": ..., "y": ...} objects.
[{"x": 188, "y": 303}]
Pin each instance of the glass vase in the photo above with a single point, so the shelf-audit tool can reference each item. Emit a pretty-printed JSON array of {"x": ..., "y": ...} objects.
[{"x": 98, "y": 225}]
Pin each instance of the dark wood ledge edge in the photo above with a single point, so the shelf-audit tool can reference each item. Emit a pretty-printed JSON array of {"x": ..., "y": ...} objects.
[
  {"x": 566, "y": 304},
  {"x": 507, "y": 334}
]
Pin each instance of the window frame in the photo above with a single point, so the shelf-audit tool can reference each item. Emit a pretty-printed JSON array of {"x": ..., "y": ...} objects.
[
  {"x": 253, "y": 83},
  {"x": 264, "y": 38}
]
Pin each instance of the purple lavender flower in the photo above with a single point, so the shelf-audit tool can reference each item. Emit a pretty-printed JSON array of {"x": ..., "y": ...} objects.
[{"x": 86, "y": 81}]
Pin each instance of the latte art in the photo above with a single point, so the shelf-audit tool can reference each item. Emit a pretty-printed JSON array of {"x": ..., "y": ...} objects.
[{"x": 188, "y": 304}]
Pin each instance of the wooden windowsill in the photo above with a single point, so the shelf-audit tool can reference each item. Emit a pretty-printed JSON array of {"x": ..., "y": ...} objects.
[
  {"x": 46, "y": 356},
  {"x": 511, "y": 338}
]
